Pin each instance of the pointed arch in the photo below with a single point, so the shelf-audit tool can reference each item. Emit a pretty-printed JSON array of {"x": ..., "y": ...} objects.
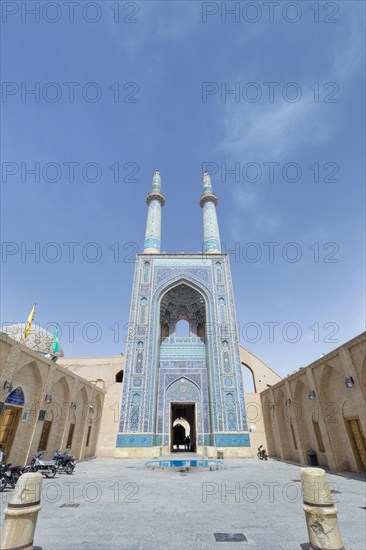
[
  {"x": 68, "y": 380},
  {"x": 183, "y": 422},
  {"x": 78, "y": 418},
  {"x": 218, "y": 271},
  {"x": 161, "y": 418},
  {"x": 58, "y": 412},
  {"x": 301, "y": 403},
  {"x": 268, "y": 419},
  {"x": 183, "y": 379},
  {"x": 93, "y": 428},
  {"x": 146, "y": 272},
  {"x": 33, "y": 374},
  {"x": 348, "y": 408},
  {"x": 166, "y": 286},
  {"x": 282, "y": 423},
  {"x": 334, "y": 399},
  {"x": 182, "y": 302},
  {"x": 249, "y": 379}
]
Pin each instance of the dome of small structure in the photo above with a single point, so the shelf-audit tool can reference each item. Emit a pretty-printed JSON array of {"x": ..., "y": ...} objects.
[{"x": 39, "y": 339}]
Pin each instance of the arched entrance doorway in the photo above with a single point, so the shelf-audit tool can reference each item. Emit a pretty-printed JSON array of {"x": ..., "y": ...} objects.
[
  {"x": 181, "y": 429},
  {"x": 179, "y": 436},
  {"x": 182, "y": 350},
  {"x": 184, "y": 402},
  {"x": 11, "y": 413},
  {"x": 343, "y": 422}
]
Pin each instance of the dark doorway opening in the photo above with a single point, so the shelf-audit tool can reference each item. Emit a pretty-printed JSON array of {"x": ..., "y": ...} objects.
[
  {"x": 119, "y": 377},
  {"x": 183, "y": 428}
]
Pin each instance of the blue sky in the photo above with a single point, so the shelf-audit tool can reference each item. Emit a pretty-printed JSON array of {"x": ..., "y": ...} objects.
[{"x": 176, "y": 123}]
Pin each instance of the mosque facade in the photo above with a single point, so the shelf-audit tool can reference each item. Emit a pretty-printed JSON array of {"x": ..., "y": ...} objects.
[
  {"x": 193, "y": 380},
  {"x": 172, "y": 386}
]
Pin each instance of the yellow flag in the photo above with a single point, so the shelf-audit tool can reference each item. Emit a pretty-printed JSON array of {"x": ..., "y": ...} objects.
[{"x": 29, "y": 323}]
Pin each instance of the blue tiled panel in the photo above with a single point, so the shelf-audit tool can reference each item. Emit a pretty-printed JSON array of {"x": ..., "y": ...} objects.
[
  {"x": 231, "y": 440},
  {"x": 134, "y": 440},
  {"x": 207, "y": 440},
  {"x": 183, "y": 352},
  {"x": 158, "y": 440}
]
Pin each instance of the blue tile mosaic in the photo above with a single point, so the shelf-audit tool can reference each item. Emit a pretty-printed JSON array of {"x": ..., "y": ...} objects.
[
  {"x": 134, "y": 440},
  {"x": 231, "y": 440},
  {"x": 177, "y": 371}
]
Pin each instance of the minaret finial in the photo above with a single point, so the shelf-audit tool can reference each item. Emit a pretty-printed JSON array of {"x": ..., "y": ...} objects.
[
  {"x": 155, "y": 200},
  {"x": 211, "y": 234}
]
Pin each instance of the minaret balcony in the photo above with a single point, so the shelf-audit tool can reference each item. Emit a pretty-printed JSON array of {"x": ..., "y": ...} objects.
[
  {"x": 205, "y": 197},
  {"x": 155, "y": 195}
]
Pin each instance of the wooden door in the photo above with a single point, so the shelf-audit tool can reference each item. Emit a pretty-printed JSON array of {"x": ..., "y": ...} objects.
[
  {"x": 43, "y": 441},
  {"x": 357, "y": 441},
  {"x": 8, "y": 426},
  {"x": 70, "y": 435}
]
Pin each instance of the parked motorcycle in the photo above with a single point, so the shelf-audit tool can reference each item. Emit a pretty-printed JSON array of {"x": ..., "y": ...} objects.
[
  {"x": 64, "y": 461},
  {"x": 262, "y": 453},
  {"x": 45, "y": 467},
  {"x": 5, "y": 476},
  {"x": 9, "y": 475},
  {"x": 16, "y": 472}
]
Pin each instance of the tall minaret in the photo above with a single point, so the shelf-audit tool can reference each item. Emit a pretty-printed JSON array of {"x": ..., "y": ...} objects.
[
  {"x": 155, "y": 200},
  {"x": 211, "y": 234}
]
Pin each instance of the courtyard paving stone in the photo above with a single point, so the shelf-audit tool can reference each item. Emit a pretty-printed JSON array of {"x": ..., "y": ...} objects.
[{"x": 124, "y": 506}]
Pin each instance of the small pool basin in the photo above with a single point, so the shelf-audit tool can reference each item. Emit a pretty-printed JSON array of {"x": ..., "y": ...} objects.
[{"x": 185, "y": 464}]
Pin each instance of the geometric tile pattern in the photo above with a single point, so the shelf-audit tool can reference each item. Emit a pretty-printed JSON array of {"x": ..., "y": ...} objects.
[{"x": 210, "y": 369}]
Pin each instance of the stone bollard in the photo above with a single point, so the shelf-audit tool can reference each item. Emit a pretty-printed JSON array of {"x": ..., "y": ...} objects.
[
  {"x": 320, "y": 512},
  {"x": 21, "y": 513}
]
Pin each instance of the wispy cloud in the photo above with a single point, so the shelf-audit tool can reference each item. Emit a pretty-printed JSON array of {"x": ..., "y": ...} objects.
[
  {"x": 280, "y": 128},
  {"x": 248, "y": 206},
  {"x": 272, "y": 131},
  {"x": 157, "y": 21},
  {"x": 349, "y": 57},
  {"x": 277, "y": 131},
  {"x": 178, "y": 19}
]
